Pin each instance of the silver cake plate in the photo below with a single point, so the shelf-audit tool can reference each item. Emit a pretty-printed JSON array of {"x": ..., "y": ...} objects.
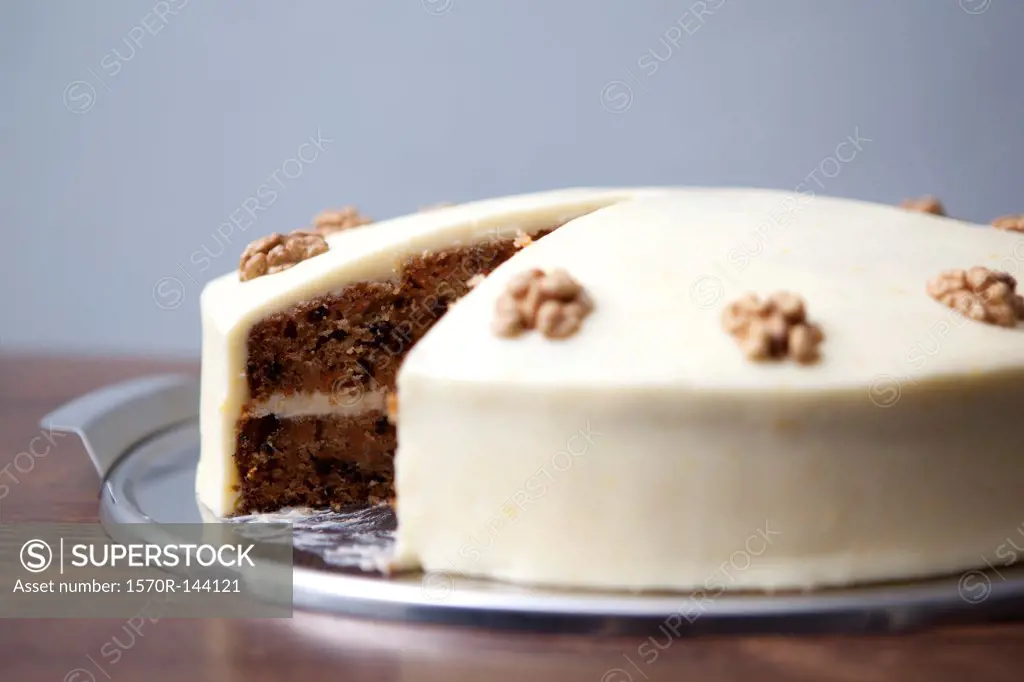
[{"x": 143, "y": 437}]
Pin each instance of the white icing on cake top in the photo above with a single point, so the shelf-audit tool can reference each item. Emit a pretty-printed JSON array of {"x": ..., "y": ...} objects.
[
  {"x": 648, "y": 452},
  {"x": 660, "y": 271}
]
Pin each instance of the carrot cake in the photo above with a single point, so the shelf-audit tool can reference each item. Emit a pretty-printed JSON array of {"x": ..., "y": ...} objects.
[{"x": 699, "y": 389}]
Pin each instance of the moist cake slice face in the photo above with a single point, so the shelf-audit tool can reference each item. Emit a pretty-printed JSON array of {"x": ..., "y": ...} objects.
[
  {"x": 721, "y": 390},
  {"x": 301, "y": 348}
]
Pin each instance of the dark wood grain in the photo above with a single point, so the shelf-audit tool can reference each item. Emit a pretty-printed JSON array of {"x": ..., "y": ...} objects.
[{"x": 63, "y": 487}]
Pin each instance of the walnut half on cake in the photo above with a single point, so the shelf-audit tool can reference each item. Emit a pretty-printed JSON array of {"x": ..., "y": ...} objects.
[{"x": 635, "y": 447}]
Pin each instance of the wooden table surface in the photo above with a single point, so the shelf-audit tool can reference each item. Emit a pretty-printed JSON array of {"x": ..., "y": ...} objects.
[{"x": 63, "y": 487}]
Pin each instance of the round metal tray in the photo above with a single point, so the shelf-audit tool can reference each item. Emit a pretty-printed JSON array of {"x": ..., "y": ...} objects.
[{"x": 150, "y": 479}]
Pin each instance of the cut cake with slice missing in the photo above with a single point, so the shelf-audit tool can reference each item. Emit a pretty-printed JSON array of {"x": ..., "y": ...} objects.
[{"x": 301, "y": 348}]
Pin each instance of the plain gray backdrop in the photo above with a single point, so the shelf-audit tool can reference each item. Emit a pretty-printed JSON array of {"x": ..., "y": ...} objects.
[{"x": 132, "y": 131}]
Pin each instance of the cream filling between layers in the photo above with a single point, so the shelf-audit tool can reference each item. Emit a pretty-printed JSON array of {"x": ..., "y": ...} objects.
[{"x": 320, "y": 404}]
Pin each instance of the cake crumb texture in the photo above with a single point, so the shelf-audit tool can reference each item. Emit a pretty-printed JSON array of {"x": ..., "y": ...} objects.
[{"x": 327, "y": 461}]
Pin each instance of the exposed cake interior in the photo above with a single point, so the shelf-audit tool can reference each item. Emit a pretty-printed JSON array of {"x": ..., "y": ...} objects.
[{"x": 315, "y": 431}]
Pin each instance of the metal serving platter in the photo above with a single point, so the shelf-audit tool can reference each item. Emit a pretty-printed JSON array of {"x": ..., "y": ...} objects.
[{"x": 143, "y": 437}]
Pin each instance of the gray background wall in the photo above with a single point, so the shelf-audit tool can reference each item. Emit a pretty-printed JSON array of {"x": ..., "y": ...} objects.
[{"x": 131, "y": 130}]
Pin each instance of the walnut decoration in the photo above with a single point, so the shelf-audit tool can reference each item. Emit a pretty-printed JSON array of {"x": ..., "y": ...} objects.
[
  {"x": 343, "y": 218},
  {"x": 984, "y": 295},
  {"x": 926, "y": 204},
  {"x": 1014, "y": 223},
  {"x": 554, "y": 303},
  {"x": 774, "y": 328},
  {"x": 277, "y": 252}
]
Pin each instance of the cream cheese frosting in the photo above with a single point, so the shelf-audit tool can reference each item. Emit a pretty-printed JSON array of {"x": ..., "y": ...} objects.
[{"x": 647, "y": 452}]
